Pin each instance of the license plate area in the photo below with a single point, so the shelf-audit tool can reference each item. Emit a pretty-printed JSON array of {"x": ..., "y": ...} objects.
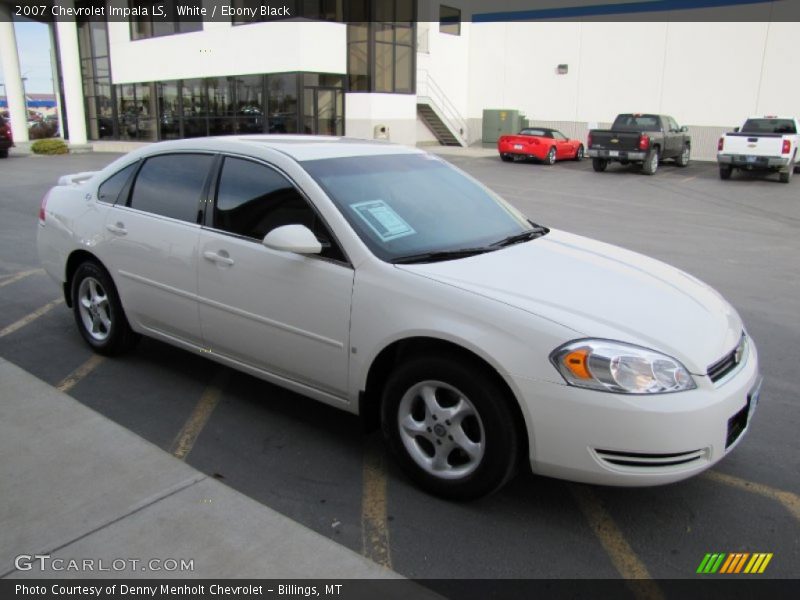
[
  {"x": 614, "y": 153},
  {"x": 517, "y": 146}
]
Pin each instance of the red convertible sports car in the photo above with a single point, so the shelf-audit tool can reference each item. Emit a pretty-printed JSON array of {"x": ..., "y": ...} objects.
[{"x": 546, "y": 145}]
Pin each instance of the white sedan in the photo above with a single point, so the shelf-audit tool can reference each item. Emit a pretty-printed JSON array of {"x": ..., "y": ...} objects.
[{"x": 381, "y": 280}]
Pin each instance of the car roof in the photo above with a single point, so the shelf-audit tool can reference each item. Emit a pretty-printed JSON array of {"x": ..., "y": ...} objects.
[{"x": 298, "y": 147}]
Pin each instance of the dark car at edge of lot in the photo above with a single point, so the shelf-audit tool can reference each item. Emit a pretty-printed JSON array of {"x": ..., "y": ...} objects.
[{"x": 6, "y": 140}]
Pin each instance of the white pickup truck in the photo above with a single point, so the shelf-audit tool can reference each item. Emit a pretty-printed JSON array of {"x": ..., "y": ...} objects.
[{"x": 763, "y": 144}]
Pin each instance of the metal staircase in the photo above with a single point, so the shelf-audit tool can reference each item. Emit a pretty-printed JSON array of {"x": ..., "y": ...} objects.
[{"x": 438, "y": 113}]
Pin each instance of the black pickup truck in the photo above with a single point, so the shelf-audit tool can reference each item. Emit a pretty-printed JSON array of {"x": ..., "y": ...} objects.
[{"x": 639, "y": 138}]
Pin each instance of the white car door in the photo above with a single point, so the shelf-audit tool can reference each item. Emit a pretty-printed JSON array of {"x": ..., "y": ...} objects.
[
  {"x": 152, "y": 251},
  {"x": 280, "y": 312}
]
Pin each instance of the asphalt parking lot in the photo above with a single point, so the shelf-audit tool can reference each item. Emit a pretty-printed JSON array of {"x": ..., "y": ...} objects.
[{"x": 317, "y": 466}]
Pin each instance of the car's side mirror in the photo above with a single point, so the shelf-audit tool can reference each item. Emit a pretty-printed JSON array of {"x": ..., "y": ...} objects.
[
  {"x": 684, "y": 129},
  {"x": 293, "y": 238},
  {"x": 735, "y": 130}
]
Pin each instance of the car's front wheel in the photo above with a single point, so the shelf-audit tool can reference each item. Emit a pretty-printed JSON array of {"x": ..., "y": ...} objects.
[
  {"x": 683, "y": 159},
  {"x": 98, "y": 311},
  {"x": 451, "y": 427}
]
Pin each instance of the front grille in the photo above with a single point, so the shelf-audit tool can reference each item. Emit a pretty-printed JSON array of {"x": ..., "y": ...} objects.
[
  {"x": 649, "y": 461},
  {"x": 729, "y": 362}
]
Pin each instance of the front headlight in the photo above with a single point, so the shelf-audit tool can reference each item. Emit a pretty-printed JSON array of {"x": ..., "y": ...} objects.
[{"x": 621, "y": 368}]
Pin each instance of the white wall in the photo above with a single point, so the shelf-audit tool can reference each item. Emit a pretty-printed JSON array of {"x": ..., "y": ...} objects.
[
  {"x": 704, "y": 74},
  {"x": 222, "y": 49},
  {"x": 363, "y": 112}
]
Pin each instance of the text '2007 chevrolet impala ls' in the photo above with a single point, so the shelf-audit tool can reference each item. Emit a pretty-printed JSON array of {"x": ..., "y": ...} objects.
[{"x": 383, "y": 281}]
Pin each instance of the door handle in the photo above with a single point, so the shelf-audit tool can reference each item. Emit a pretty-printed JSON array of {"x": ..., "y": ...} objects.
[
  {"x": 217, "y": 258},
  {"x": 118, "y": 228}
]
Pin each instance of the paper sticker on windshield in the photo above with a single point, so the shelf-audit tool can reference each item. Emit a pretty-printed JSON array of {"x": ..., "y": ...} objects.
[{"x": 380, "y": 217}]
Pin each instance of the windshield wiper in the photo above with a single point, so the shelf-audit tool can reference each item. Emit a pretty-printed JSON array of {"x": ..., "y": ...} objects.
[
  {"x": 529, "y": 234},
  {"x": 426, "y": 257}
]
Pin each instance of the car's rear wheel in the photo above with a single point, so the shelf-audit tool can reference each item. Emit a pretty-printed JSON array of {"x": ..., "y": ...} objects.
[
  {"x": 650, "y": 165},
  {"x": 451, "y": 427},
  {"x": 683, "y": 157},
  {"x": 599, "y": 164},
  {"x": 550, "y": 159},
  {"x": 4, "y": 153},
  {"x": 725, "y": 171},
  {"x": 579, "y": 153},
  {"x": 98, "y": 311},
  {"x": 506, "y": 157}
]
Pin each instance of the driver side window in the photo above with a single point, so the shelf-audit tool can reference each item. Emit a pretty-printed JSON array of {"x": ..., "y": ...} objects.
[{"x": 253, "y": 199}]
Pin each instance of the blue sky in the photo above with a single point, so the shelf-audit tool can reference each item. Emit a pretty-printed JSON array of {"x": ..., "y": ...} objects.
[{"x": 33, "y": 47}]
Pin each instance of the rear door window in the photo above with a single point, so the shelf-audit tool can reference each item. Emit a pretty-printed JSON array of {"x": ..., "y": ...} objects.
[
  {"x": 111, "y": 188},
  {"x": 171, "y": 185}
]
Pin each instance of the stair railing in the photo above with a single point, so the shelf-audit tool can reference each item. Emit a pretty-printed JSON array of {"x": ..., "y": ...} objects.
[{"x": 429, "y": 92}]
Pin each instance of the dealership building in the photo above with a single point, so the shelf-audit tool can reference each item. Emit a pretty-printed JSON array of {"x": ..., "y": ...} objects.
[{"x": 413, "y": 71}]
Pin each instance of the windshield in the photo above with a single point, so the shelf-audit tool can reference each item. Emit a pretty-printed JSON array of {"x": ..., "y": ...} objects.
[
  {"x": 408, "y": 204},
  {"x": 769, "y": 126}
]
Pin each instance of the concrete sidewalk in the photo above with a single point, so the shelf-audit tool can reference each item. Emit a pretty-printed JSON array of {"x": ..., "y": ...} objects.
[{"x": 75, "y": 485}]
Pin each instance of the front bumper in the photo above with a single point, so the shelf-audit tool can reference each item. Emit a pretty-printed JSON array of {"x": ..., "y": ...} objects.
[
  {"x": 625, "y": 440},
  {"x": 753, "y": 162},
  {"x": 616, "y": 154}
]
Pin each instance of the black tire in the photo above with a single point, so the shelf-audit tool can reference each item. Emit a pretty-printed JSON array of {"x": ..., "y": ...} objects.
[
  {"x": 550, "y": 158},
  {"x": 786, "y": 175},
  {"x": 98, "y": 312},
  {"x": 492, "y": 433},
  {"x": 682, "y": 160},
  {"x": 506, "y": 158},
  {"x": 4, "y": 153},
  {"x": 725, "y": 171},
  {"x": 599, "y": 164},
  {"x": 579, "y": 153},
  {"x": 650, "y": 164}
]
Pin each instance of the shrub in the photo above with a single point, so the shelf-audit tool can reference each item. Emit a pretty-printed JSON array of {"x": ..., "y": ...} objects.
[{"x": 50, "y": 146}]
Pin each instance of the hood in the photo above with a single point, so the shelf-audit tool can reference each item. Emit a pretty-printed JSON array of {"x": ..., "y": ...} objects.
[{"x": 602, "y": 291}]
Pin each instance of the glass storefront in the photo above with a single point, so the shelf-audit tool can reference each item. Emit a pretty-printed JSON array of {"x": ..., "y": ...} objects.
[{"x": 311, "y": 103}]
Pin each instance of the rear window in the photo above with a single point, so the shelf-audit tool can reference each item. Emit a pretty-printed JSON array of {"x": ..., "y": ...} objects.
[
  {"x": 636, "y": 123},
  {"x": 769, "y": 126},
  {"x": 538, "y": 132}
]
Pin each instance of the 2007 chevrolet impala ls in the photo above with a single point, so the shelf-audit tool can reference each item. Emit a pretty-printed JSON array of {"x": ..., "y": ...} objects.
[{"x": 383, "y": 281}]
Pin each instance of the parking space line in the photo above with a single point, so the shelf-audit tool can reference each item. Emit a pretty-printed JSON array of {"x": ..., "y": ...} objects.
[
  {"x": 73, "y": 378},
  {"x": 14, "y": 277},
  {"x": 30, "y": 318},
  {"x": 187, "y": 436},
  {"x": 374, "y": 527},
  {"x": 789, "y": 500},
  {"x": 619, "y": 550}
]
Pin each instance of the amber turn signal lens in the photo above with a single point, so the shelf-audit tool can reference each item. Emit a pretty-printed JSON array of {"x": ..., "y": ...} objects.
[{"x": 575, "y": 361}]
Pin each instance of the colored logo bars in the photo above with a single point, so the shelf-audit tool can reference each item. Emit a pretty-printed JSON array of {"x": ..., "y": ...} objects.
[{"x": 741, "y": 562}]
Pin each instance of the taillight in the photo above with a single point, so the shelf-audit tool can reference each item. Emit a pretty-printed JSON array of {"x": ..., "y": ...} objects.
[
  {"x": 720, "y": 144},
  {"x": 644, "y": 142},
  {"x": 589, "y": 141},
  {"x": 43, "y": 207},
  {"x": 787, "y": 147}
]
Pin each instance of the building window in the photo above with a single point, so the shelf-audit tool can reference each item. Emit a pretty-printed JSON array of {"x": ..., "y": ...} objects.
[
  {"x": 154, "y": 25},
  {"x": 250, "y": 11},
  {"x": 381, "y": 47},
  {"x": 235, "y": 104},
  {"x": 96, "y": 75},
  {"x": 449, "y": 20}
]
